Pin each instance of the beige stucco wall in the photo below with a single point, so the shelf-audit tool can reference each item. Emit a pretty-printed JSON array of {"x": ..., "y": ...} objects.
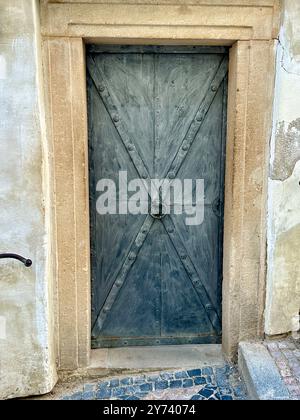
[
  {"x": 283, "y": 289},
  {"x": 26, "y": 350}
]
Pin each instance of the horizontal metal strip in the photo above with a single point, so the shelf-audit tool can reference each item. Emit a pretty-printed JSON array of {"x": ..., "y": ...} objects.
[
  {"x": 155, "y": 49},
  {"x": 113, "y": 342},
  {"x": 198, "y": 3}
]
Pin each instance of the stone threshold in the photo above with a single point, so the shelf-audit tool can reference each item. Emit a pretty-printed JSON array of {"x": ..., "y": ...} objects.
[{"x": 157, "y": 358}]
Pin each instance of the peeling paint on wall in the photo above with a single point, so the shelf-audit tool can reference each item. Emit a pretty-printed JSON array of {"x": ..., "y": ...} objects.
[
  {"x": 287, "y": 285},
  {"x": 2, "y": 328},
  {"x": 287, "y": 149},
  {"x": 283, "y": 301},
  {"x": 291, "y": 30},
  {"x": 3, "y": 70}
]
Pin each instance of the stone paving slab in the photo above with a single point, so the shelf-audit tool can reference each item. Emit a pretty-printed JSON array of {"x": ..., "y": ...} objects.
[
  {"x": 260, "y": 373},
  {"x": 210, "y": 383},
  {"x": 286, "y": 354}
]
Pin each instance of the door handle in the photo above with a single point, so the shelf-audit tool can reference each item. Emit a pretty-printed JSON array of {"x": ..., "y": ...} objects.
[{"x": 25, "y": 261}]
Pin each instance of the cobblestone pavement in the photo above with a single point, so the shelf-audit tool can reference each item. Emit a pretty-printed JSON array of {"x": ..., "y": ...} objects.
[
  {"x": 286, "y": 354},
  {"x": 196, "y": 384}
]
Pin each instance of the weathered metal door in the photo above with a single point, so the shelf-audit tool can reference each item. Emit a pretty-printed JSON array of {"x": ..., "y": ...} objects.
[{"x": 157, "y": 112}]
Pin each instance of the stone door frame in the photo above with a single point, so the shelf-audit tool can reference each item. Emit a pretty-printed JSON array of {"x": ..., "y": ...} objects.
[{"x": 250, "y": 28}]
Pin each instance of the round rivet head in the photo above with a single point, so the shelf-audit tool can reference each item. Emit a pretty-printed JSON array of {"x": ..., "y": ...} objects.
[
  {"x": 116, "y": 118},
  {"x": 171, "y": 230},
  {"x": 171, "y": 175},
  {"x": 199, "y": 118},
  {"x": 183, "y": 257},
  {"x": 102, "y": 88},
  {"x": 185, "y": 147},
  {"x": 132, "y": 257},
  {"x": 145, "y": 176},
  {"x": 130, "y": 147},
  {"x": 214, "y": 88}
]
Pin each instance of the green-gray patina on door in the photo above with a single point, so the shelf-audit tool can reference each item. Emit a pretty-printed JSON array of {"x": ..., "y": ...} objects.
[{"x": 157, "y": 112}]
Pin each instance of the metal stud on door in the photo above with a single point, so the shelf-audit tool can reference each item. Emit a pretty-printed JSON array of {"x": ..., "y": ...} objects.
[{"x": 157, "y": 113}]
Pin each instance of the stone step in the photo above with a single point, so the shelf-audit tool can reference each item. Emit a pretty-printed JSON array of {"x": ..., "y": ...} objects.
[{"x": 260, "y": 373}]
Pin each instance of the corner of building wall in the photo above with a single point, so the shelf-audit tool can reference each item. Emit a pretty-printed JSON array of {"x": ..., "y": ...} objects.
[
  {"x": 27, "y": 335},
  {"x": 283, "y": 278},
  {"x": 50, "y": 373}
]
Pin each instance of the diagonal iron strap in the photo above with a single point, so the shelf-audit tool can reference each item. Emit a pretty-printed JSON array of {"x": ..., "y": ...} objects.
[
  {"x": 102, "y": 89},
  {"x": 198, "y": 121},
  {"x": 123, "y": 273},
  {"x": 192, "y": 273}
]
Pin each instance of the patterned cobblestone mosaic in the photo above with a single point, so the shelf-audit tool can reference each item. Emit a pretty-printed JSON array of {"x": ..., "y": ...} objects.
[
  {"x": 286, "y": 354},
  {"x": 195, "y": 384}
]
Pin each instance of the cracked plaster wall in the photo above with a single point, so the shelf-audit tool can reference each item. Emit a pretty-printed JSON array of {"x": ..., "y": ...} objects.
[{"x": 283, "y": 286}]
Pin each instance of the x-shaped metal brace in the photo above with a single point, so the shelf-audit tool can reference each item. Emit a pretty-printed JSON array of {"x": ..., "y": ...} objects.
[{"x": 170, "y": 174}]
